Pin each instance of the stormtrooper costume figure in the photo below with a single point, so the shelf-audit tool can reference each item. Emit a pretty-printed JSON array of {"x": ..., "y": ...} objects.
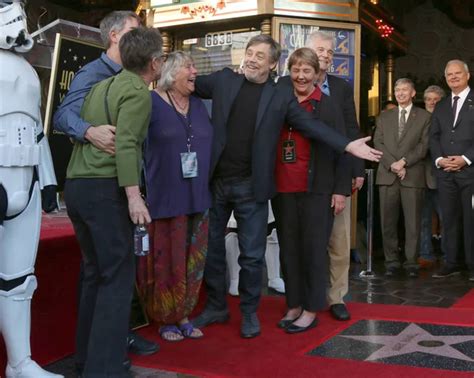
[
  {"x": 272, "y": 257},
  {"x": 25, "y": 169}
]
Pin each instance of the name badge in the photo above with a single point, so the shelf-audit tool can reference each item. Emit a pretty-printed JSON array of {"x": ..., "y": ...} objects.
[
  {"x": 288, "y": 151},
  {"x": 189, "y": 164}
]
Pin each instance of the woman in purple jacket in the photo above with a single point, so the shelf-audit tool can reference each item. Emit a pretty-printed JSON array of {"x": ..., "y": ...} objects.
[{"x": 177, "y": 161}]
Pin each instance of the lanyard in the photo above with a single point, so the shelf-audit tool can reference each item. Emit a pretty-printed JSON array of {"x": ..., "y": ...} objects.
[{"x": 185, "y": 121}]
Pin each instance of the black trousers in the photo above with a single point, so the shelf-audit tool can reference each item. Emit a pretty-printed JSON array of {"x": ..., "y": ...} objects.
[
  {"x": 456, "y": 201},
  {"x": 98, "y": 209},
  {"x": 304, "y": 223}
]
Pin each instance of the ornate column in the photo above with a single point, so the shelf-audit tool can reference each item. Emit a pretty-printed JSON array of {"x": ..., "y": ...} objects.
[
  {"x": 167, "y": 42},
  {"x": 266, "y": 26},
  {"x": 389, "y": 69}
]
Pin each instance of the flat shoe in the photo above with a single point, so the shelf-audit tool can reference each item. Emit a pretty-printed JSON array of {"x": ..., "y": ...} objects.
[
  {"x": 170, "y": 329},
  {"x": 283, "y": 323},
  {"x": 293, "y": 328},
  {"x": 187, "y": 331}
]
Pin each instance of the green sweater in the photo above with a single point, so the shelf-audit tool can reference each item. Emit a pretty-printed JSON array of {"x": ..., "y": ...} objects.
[{"x": 129, "y": 103}]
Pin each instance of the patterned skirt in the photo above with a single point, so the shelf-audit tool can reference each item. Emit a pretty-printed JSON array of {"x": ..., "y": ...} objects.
[{"x": 169, "y": 278}]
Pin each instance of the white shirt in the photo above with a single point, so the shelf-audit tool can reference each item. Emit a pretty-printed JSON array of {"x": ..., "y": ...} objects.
[
  {"x": 462, "y": 97},
  {"x": 408, "y": 110}
]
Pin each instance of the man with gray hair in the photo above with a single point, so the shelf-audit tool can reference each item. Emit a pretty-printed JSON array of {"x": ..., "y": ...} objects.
[
  {"x": 452, "y": 153},
  {"x": 68, "y": 120},
  {"x": 402, "y": 135},
  {"x": 431, "y": 96},
  {"x": 324, "y": 45}
]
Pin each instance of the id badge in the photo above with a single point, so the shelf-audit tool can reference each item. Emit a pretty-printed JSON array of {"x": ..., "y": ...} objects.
[
  {"x": 189, "y": 164},
  {"x": 288, "y": 151}
]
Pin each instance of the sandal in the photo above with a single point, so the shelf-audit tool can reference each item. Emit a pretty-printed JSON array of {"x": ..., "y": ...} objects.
[
  {"x": 187, "y": 330},
  {"x": 170, "y": 333}
]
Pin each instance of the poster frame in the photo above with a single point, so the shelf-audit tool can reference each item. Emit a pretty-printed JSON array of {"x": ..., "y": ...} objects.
[
  {"x": 54, "y": 73},
  {"x": 356, "y": 28}
]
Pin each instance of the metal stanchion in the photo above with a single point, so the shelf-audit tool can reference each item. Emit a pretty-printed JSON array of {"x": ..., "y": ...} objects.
[{"x": 368, "y": 273}]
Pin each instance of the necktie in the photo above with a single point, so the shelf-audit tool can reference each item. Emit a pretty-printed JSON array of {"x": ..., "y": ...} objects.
[
  {"x": 455, "y": 106},
  {"x": 402, "y": 123}
]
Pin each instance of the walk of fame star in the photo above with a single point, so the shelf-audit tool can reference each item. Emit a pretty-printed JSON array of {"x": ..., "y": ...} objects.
[
  {"x": 415, "y": 339},
  {"x": 435, "y": 346}
]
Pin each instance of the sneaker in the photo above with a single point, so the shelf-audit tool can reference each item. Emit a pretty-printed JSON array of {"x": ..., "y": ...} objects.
[
  {"x": 471, "y": 276},
  {"x": 446, "y": 271}
]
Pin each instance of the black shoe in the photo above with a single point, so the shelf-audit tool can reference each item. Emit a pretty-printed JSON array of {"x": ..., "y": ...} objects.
[
  {"x": 209, "y": 317},
  {"x": 339, "y": 311},
  {"x": 283, "y": 323},
  {"x": 391, "y": 272},
  {"x": 412, "y": 273},
  {"x": 127, "y": 364},
  {"x": 293, "y": 328},
  {"x": 138, "y": 345},
  {"x": 446, "y": 272},
  {"x": 250, "y": 326},
  {"x": 471, "y": 276}
]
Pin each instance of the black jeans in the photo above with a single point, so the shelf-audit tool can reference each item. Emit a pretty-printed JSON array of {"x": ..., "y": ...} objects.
[
  {"x": 236, "y": 194},
  {"x": 98, "y": 209}
]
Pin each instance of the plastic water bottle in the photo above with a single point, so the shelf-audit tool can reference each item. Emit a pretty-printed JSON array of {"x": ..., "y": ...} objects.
[{"x": 140, "y": 241}]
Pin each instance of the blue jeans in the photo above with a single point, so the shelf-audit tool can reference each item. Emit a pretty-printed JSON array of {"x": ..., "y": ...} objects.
[
  {"x": 236, "y": 194},
  {"x": 431, "y": 202}
]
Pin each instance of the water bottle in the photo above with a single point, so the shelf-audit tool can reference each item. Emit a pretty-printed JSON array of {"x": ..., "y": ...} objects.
[{"x": 140, "y": 240}]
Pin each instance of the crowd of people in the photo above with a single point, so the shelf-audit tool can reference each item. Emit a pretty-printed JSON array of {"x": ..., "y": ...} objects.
[
  {"x": 294, "y": 141},
  {"x": 426, "y": 167}
]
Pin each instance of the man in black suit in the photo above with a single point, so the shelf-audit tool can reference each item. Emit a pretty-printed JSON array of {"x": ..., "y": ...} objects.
[
  {"x": 340, "y": 91},
  {"x": 452, "y": 152},
  {"x": 248, "y": 112}
]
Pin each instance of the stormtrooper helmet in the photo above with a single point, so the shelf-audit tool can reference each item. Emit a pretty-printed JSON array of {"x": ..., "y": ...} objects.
[{"x": 13, "y": 28}]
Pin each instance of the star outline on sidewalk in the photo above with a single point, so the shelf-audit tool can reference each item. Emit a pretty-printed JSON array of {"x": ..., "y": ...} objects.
[{"x": 407, "y": 341}]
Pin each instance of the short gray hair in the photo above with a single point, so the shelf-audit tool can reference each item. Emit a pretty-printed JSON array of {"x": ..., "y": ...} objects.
[
  {"x": 323, "y": 35},
  {"x": 174, "y": 62},
  {"x": 434, "y": 89},
  {"x": 114, "y": 21},
  {"x": 405, "y": 80},
  {"x": 457, "y": 61}
]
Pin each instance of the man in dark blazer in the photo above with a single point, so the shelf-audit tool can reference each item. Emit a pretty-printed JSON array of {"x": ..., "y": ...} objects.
[
  {"x": 452, "y": 152},
  {"x": 340, "y": 91},
  {"x": 402, "y": 135},
  {"x": 248, "y": 112}
]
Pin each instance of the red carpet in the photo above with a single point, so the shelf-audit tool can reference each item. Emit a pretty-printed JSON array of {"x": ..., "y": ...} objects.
[
  {"x": 466, "y": 302},
  {"x": 222, "y": 353},
  {"x": 54, "y": 303}
]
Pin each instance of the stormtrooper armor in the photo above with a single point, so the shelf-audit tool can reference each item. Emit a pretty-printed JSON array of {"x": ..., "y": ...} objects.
[
  {"x": 25, "y": 169},
  {"x": 272, "y": 257}
]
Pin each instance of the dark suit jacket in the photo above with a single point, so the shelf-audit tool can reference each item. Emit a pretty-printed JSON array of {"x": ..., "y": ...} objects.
[
  {"x": 447, "y": 140},
  {"x": 277, "y": 106},
  {"x": 413, "y": 145},
  {"x": 329, "y": 171},
  {"x": 343, "y": 94}
]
